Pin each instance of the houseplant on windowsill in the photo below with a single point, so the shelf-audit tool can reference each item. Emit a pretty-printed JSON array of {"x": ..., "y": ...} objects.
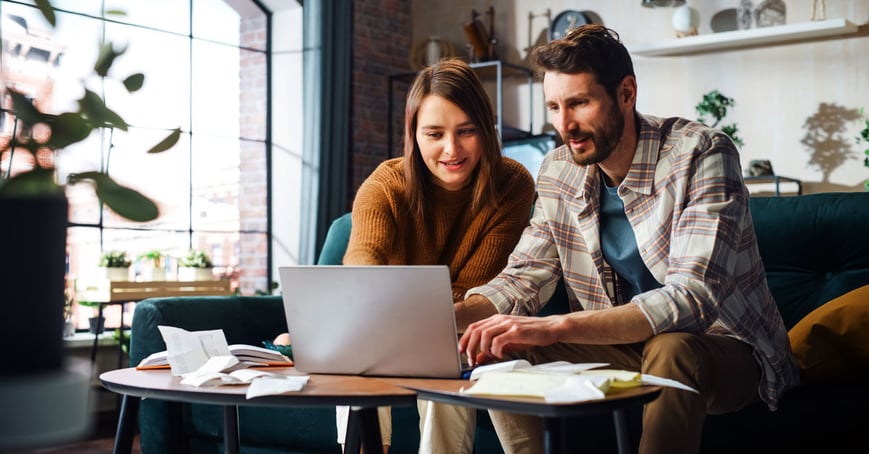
[
  {"x": 195, "y": 266},
  {"x": 152, "y": 265},
  {"x": 34, "y": 207},
  {"x": 96, "y": 323},
  {"x": 115, "y": 265}
]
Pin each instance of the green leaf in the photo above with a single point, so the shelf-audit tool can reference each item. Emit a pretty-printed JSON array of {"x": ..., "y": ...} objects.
[
  {"x": 47, "y": 11},
  {"x": 94, "y": 108},
  {"x": 124, "y": 201},
  {"x": 24, "y": 108},
  {"x": 168, "y": 142},
  {"x": 116, "y": 12},
  {"x": 37, "y": 182},
  {"x": 68, "y": 128},
  {"x": 134, "y": 82},
  {"x": 106, "y": 59}
]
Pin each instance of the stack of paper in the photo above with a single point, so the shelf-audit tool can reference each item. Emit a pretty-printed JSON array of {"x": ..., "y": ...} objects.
[{"x": 558, "y": 382}]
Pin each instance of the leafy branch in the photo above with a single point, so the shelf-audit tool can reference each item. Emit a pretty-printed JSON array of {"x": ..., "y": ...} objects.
[{"x": 715, "y": 104}]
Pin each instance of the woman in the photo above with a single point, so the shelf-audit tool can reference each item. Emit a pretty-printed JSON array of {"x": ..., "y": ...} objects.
[{"x": 451, "y": 199}]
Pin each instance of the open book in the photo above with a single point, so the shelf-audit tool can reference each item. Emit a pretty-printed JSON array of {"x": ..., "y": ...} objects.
[
  {"x": 187, "y": 351},
  {"x": 558, "y": 382},
  {"x": 250, "y": 355}
]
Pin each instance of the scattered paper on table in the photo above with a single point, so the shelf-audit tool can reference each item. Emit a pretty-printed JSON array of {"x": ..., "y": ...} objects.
[
  {"x": 187, "y": 351},
  {"x": 275, "y": 385}
]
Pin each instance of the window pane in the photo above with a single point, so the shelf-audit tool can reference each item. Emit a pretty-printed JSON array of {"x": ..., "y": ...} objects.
[
  {"x": 216, "y": 93},
  {"x": 163, "y": 101},
  {"x": 168, "y": 15},
  {"x": 162, "y": 177},
  {"x": 228, "y": 22},
  {"x": 215, "y": 183}
]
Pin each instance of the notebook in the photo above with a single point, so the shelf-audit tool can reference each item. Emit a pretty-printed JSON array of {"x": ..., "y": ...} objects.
[{"x": 394, "y": 321}]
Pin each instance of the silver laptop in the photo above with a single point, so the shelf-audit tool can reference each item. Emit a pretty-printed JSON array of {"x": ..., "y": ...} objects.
[{"x": 395, "y": 321}]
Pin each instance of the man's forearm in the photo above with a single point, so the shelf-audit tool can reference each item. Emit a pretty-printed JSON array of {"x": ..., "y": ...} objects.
[{"x": 475, "y": 308}]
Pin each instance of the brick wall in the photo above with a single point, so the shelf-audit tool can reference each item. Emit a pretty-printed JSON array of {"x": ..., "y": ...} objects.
[
  {"x": 253, "y": 247},
  {"x": 382, "y": 43}
]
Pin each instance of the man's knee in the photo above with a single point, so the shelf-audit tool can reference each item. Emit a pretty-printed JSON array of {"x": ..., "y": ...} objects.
[{"x": 674, "y": 355}]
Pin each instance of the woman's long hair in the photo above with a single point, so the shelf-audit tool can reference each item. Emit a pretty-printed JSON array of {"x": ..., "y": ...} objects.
[{"x": 453, "y": 80}]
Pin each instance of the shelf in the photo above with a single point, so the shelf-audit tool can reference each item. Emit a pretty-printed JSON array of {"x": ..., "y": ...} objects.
[
  {"x": 493, "y": 71},
  {"x": 804, "y": 31}
]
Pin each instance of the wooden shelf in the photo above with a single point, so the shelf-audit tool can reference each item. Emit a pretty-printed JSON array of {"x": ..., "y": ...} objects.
[{"x": 712, "y": 42}]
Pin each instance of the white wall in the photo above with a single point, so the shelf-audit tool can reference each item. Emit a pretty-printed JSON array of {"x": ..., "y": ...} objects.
[{"x": 776, "y": 88}]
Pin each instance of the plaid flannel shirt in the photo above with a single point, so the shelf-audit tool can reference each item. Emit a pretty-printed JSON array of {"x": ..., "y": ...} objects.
[{"x": 686, "y": 201}]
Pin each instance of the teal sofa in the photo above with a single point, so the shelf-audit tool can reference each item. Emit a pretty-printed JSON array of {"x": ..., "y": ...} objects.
[{"x": 814, "y": 248}]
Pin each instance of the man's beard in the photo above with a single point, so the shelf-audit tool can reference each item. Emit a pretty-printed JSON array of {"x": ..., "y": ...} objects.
[{"x": 605, "y": 140}]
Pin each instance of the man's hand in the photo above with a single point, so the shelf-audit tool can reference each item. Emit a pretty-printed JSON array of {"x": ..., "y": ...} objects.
[{"x": 498, "y": 335}]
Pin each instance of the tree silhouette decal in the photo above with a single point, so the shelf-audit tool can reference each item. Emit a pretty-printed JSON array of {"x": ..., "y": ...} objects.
[{"x": 825, "y": 138}]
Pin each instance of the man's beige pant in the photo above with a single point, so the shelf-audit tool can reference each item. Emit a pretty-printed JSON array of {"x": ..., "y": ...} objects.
[{"x": 723, "y": 369}]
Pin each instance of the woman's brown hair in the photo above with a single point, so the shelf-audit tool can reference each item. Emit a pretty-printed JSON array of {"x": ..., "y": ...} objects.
[{"x": 455, "y": 81}]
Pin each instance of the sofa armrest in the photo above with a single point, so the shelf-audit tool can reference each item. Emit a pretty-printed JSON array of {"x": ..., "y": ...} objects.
[{"x": 244, "y": 320}]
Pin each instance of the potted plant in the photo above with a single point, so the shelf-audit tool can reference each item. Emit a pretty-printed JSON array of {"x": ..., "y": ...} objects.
[
  {"x": 864, "y": 136},
  {"x": 96, "y": 323},
  {"x": 115, "y": 265},
  {"x": 34, "y": 207},
  {"x": 152, "y": 265},
  {"x": 715, "y": 104},
  {"x": 195, "y": 266}
]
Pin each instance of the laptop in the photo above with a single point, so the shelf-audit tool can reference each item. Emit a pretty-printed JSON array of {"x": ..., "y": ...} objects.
[{"x": 392, "y": 321}]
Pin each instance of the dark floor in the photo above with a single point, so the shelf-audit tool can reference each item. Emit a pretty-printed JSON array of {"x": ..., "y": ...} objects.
[{"x": 101, "y": 441}]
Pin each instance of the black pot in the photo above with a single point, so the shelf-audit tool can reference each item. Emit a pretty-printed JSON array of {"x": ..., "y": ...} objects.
[
  {"x": 32, "y": 268},
  {"x": 96, "y": 325}
]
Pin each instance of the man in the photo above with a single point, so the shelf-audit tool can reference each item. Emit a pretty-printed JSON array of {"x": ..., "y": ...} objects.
[{"x": 647, "y": 221}]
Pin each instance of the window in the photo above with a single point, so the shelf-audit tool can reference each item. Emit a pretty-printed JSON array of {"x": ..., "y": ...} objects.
[{"x": 206, "y": 71}]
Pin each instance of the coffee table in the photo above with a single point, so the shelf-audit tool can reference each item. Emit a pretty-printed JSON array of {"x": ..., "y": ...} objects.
[
  {"x": 362, "y": 394},
  {"x": 615, "y": 402}
]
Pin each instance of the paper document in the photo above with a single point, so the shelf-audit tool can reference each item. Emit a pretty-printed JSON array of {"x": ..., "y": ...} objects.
[
  {"x": 560, "y": 383},
  {"x": 187, "y": 351},
  {"x": 270, "y": 386},
  {"x": 556, "y": 367}
]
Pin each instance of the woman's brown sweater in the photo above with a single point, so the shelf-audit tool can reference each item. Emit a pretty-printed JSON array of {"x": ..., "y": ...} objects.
[{"x": 475, "y": 248}]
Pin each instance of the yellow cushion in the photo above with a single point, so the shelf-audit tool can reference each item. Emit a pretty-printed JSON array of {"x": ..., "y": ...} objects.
[{"x": 832, "y": 342}]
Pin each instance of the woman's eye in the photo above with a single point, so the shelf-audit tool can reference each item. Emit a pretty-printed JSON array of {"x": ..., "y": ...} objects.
[
  {"x": 467, "y": 132},
  {"x": 433, "y": 135}
]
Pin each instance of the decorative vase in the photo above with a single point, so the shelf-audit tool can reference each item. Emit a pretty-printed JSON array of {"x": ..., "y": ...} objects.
[
  {"x": 744, "y": 15},
  {"x": 33, "y": 247},
  {"x": 685, "y": 21},
  {"x": 115, "y": 274},
  {"x": 154, "y": 274},
  {"x": 195, "y": 274}
]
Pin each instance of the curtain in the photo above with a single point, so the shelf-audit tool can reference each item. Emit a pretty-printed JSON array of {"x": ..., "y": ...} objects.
[{"x": 327, "y": 61}]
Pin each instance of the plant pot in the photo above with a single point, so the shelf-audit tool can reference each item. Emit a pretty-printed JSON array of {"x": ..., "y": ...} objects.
[
  {"x": 96, "y": 325},
  {"x": 33, "y": 248},
  {"x": 115, "y": 274},
  {"x": 68, "y": 328},
  {"x": 154, "y": 274},
  {"x": 195, "y": 274}
]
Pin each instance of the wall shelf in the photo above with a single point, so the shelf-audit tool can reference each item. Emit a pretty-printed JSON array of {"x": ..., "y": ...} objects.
[{"x": 780, "y": 34}]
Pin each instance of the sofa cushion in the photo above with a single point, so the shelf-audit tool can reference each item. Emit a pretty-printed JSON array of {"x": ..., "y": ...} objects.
[
  {"x": 813, "y": 247},
  {"x": 832, "y": 342}
]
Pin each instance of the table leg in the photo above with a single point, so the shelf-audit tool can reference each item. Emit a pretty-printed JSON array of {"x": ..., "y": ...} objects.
[
  {"x": 230, "y": 429},
  {"x": 121, "y": 339},
  {"x": 622, "y": 438},
  {"x": 363, "y": 426},
  {"x": 553, "y": 436},
  {"x": 126, "y": 425}
]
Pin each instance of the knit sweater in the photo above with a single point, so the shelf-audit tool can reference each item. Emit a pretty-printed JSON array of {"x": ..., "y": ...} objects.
[{"x": 474, "y": 247}]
